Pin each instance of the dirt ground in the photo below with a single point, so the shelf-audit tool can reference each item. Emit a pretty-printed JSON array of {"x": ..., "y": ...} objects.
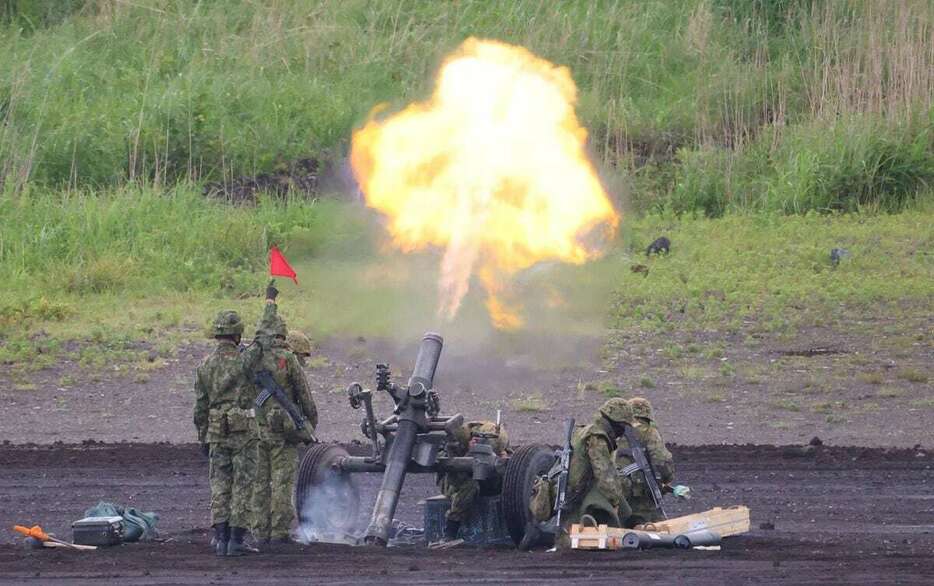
[
  {"x": 840, "y": 515},
  {"x": 865, "y": 379}
]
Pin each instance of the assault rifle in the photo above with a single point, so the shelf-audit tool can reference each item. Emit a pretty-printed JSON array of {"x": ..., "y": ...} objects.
[
  {"x": 272, "y": 389},
  {"x": 560, "y": 472},
  {"x": 641, "y": 463}
]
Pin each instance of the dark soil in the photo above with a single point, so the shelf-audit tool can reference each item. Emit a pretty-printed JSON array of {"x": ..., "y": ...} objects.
[{"x": 840, "y": 515}]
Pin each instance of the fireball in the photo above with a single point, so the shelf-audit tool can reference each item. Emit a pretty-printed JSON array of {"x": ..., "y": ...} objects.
[{"x": 492, "y": 169}]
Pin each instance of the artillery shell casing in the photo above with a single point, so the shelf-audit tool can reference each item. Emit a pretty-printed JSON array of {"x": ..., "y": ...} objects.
[
  {"x": 635, "y": 540},
  {"x": 704, "y": 537}
]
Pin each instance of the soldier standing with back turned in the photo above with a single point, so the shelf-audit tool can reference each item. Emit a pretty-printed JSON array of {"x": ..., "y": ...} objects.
[
  {"x": 277, "y": 453},
  {"x": 224, "y": 395}
]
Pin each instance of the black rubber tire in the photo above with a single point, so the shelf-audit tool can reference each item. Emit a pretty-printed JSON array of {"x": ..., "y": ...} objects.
[
  {"x": 336, "y": 488},
  {"x": 525, "y": 464}
]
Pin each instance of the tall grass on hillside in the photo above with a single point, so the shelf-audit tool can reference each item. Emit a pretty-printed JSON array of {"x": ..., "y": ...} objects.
[
  {"x": 851, "y": 164},
  {"x": 101, "y": 92},
  {"x": 137, "y": 239}
]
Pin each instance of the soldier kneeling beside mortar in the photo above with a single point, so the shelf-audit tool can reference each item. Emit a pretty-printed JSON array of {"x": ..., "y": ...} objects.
[
  {"x": 460, "y": 487},
  {"x": 593, "y": 485}
]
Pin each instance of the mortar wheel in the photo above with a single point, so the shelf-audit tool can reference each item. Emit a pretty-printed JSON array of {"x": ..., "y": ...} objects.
[
  {"x": 524, "y": 466},
  {"x": 325, "y": 498}
]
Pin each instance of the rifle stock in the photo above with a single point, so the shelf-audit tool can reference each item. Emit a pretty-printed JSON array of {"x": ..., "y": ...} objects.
[
  {"x": 645, "y": 467},
  {"x": 272, "y": 389},
  {"x": 565, "y": 465}
]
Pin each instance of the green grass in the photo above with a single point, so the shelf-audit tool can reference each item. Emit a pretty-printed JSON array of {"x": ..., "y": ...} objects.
[
  {"x": 912, "y": 375},
  {"x": 530, "y": 403},
  {"x": 175, "y": 259},
  {"x": 112, "y": 114},
  {"x": 59, "y": 248},
  {"x": 786, "y": 405},
  {"x": 890, "y": 392},
  {"x": 706, "y": 105},
  {"x": 872, "y": 378},
  {"x": 757, "y": 267}
]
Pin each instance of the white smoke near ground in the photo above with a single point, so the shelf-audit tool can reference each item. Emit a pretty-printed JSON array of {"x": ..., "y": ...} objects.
[{"x": 330, "y": 513}]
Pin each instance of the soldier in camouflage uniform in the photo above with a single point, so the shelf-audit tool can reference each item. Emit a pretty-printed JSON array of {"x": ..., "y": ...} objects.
[
  {"x": 277, "y": 451},
  {"x": 637, "y": 493},
  {"x": 593, "y": 485},
  {"x": 223, "y": 414},
  {"x": 300, "y": 345},
  {"x": 594, "y": 488},
  {"x": 460, "y": 487}
]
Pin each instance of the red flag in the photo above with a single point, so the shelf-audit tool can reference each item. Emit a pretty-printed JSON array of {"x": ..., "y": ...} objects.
[{"x": 278, "y": 266}]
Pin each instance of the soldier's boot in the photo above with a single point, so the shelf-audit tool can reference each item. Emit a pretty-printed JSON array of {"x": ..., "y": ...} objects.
[
  {"x": 449, "y": 539},
  {"x": 236, "y": 546},
  {"x": 531, "y": 537},
  {"x": 221, "y": 538}
]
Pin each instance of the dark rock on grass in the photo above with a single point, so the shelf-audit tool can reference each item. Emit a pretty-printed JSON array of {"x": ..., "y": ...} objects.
[
  {"x": 298, "y": 177},
  {"x": 838, "y": 254},
  {"x": 660, "y": 245}
]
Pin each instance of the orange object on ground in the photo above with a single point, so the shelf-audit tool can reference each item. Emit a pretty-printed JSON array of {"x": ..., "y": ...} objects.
[{"x": 36, "y": 532}]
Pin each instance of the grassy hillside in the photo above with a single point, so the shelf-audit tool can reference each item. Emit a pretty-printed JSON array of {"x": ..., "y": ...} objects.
[
  {"x": 704, "y": 105},
  {"x": 771, "y": 113}
]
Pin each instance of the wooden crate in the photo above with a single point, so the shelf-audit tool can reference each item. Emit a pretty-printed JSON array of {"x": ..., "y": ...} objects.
[{"x": 726, "y": 522}]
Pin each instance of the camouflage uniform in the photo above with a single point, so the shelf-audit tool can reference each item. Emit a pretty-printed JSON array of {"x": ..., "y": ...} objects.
[
  {"x": 277, "y": 451},
  {"x": 300, "y": 345},
  {"x": 460, "y": 487},
  {"x": 636, "y": 491},
  {"x": 224, "y": 395},
  {"x": 593, "y": 485}
]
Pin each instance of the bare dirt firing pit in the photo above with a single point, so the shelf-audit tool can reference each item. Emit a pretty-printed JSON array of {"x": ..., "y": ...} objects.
[{"x": 840, "y": 515}]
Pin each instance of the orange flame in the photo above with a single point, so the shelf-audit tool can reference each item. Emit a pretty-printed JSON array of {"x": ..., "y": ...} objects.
[{"x": 492, "y": 169}]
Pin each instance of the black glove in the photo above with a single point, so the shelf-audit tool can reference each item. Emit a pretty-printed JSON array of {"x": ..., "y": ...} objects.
[
  {"x": 271, "y": 291},
  {"x": 206, "y": 450}
]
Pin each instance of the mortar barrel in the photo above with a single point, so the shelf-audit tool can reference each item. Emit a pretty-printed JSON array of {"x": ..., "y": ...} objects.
[
  {"x": 377, "y": 533},
  {"x": 429, "y": 352}
]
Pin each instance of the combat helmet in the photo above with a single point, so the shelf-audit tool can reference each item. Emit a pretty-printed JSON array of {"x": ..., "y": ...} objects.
[
  {"x": 478, "y": 428},
  {"x": 273, "y": 328},
  {"x": 227, "y": 323},
  {"x": 298, "y": 343},
  {"x": 617, "y": 410},
  {"x": 641, "y": 408}
]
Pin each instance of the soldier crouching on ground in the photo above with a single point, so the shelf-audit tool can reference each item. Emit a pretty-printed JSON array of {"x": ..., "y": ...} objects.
[
  {"x": 594, "y": 488},
  {"x": 277, "y": 451},
  {"x": 460, "y": 487},
  {"x": 637, "y": 493},
  {"x": 224, "y": 395}
]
